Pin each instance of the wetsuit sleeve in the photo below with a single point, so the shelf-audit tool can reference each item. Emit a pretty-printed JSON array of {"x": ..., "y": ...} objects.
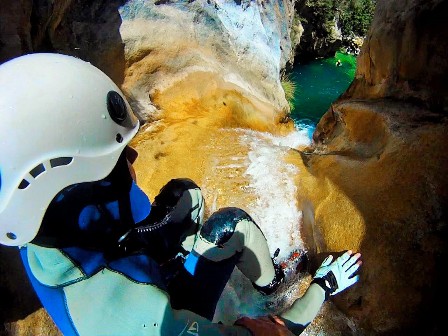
[
  {"x": 293, "y": 321},
  {"x": 304, "y": 309}
]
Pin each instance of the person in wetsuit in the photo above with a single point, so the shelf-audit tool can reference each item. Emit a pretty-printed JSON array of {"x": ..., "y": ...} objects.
[{"x": 103, "y": 259}]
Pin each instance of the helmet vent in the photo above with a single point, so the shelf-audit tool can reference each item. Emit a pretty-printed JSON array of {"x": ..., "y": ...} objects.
[
  {"x": 40, "y": 168},
  {"x": 36, "y": 171},
  {"x": 61, "y": 161},
  {"x": 24, "y": 184}
]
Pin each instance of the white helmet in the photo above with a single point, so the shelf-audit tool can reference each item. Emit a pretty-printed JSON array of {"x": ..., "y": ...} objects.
[{"x": 63, "y": 121}]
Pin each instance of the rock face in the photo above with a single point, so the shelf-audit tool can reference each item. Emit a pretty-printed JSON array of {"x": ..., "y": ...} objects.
[
  {"x": 161, "y": 42},
  {"x": 405, "y": 57},
  {"x": 85, "y": 29},
  {"x": 375, "y": 179},
  {"x": 320, "y": 37},
  {"x": 376, "y": 176},
  {"x": 241, "y": 46}
]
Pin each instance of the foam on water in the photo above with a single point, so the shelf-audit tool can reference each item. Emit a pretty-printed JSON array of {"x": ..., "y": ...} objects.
[
  {"x": 271, "y": 180},
  {"x": 306, "y": 126}
]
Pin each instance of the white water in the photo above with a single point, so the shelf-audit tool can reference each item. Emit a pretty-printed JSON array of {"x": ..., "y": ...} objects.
[
  {"x": 272, "y": 181},
  {"x": 269, "y": 181}
]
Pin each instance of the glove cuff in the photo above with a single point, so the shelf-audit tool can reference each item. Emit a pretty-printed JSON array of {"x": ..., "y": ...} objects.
[{"x": 328, "y": 283}]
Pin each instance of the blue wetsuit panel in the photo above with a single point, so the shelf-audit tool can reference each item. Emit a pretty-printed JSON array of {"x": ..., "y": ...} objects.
[
  {"x": 200, "y": 283},
  {"x": 89, "y": 262},
  {"x": 140, "y": 268}
]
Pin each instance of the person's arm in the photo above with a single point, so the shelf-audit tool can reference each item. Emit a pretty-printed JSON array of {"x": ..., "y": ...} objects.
[
  {"x": 331, "y": 278},
  {"x": 304, "y": 310}
]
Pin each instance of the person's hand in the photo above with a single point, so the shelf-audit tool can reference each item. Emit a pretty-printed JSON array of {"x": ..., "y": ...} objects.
[{"x": 336, "y": 276}]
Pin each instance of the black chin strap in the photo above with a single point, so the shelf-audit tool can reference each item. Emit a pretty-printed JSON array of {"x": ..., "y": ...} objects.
[{"x": 82, "y": 216}]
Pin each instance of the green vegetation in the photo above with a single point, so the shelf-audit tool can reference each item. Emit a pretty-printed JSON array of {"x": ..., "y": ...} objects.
[
  {"x": 323, "y": 10},
  {"x": 290, "y": 87},
  {"x": 354, "y": 16}
]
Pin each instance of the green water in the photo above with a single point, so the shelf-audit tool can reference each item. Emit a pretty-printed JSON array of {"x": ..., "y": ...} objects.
[{"x": 318, "y": 84}]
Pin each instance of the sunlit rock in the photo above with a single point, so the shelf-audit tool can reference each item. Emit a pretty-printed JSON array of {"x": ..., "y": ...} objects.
[
  {"x": 376, "y": 177},
  {"x": 240, "y": 47},
  {"x": 405, "y": 57}
]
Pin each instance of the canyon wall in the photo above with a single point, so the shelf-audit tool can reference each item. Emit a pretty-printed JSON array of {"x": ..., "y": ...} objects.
[
  {"x": 238, "y": 47},
  {"x": 376, "y": 176},
  {"x": 156, "y": 44},
  {"x": 85, "y": 29}
]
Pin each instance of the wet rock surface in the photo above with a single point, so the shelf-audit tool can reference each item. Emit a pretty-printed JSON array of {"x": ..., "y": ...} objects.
[
  {"x": 383, "y": 194},
  {"x": 375, "y": 179}
]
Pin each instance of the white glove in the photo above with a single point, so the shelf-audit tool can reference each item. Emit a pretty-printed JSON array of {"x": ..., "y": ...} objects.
[{"x": 335, "y": 277}]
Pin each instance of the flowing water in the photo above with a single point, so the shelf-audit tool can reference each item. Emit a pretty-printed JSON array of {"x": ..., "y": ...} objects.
[
  {"x": 241, "y": 168},
  {"x": 268, "y": 195},
  {"x": 248, "y": 169},
  {"x": 270, "y": 182}
]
